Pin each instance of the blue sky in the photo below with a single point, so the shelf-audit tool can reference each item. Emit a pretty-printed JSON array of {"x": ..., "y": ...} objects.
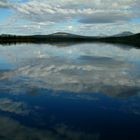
[
  {"x": 90, "y": 17},
  {"x": 4, "y": 13}
]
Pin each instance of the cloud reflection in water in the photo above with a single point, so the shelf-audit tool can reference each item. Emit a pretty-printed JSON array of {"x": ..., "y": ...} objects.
[{"x": 48, "y": 84}]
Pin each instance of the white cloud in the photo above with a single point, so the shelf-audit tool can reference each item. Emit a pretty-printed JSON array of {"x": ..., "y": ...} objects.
[
  {"x": 79, "y": 12},
  {"x": 65, "y": 10}
]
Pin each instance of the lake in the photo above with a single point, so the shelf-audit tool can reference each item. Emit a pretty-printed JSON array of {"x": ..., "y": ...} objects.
[{"x": 69, "y": 92}]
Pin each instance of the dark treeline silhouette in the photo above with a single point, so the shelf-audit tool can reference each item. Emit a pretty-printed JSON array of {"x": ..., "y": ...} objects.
[{"x": 133, "y": 40}]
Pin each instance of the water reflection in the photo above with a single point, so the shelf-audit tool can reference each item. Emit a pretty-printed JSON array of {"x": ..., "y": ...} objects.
[
  {"x": 20, "y": 132},
  {"x": 81, "y": 92}
]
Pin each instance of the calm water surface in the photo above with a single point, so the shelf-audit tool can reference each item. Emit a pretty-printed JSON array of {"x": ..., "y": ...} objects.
[{"x": 77, "y": 92}]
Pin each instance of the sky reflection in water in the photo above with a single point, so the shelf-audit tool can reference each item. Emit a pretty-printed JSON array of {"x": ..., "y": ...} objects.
[{"x": 79, "y": 92}]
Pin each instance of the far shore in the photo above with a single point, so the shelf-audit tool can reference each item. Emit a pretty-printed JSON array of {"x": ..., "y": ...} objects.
[{"x": 132, "y": 40}]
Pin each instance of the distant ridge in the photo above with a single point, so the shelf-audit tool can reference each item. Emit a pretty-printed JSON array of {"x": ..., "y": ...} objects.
[
  {"x": 126, "y": 33},
  {"x": 64, "y": 34},
  {"x": 61, "y": 34},
  {"x": 126, "y": 38}
]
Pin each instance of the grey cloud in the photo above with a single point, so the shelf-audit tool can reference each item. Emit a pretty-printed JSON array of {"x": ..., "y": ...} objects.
[
  {"x": 53, "y": 13},
  {"x": 4, "y": 4},
  {"x": 104, "y": 18},
  {"x": 87, "y": 12}
]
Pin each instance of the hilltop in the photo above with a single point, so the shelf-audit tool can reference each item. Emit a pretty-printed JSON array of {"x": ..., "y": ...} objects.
[{"x": 126, "y": 33}]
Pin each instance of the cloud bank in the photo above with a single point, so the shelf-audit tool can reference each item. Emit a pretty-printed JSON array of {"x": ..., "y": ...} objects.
[{"x": 63, "y": 14}]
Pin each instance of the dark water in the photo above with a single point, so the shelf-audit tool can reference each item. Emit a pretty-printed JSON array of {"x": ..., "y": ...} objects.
[{"x": 79, "y": 92}]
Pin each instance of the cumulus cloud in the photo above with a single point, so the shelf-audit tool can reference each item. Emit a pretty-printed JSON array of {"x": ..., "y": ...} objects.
[
  {"x": 4, "y": 4},
  {"x": 105, "y": 18},
  {"x": 74, "y": 12},
  {"x": 86, "y": 11}
]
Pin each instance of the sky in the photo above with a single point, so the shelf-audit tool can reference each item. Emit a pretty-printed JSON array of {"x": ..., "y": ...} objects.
[{"x": 85, "y": 17}]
